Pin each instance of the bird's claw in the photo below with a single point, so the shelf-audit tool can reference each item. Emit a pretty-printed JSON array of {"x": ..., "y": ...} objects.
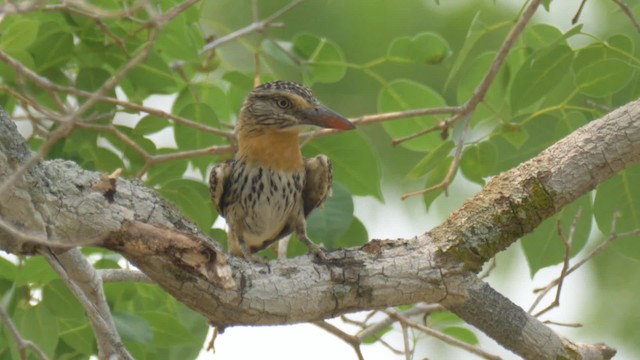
[{"x": 318, "y": 251}]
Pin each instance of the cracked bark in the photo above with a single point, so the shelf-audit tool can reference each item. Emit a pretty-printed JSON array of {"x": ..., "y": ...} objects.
[{"x": 55, "y": 201}]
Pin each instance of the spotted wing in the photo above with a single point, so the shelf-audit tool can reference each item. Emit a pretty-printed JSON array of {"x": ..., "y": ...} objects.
[
  {"x": 319, "y": 178},
  {"x": 218, "y": 180}
]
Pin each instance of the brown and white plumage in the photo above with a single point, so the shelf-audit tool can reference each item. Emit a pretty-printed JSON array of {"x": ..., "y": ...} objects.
[{"x": 268, "y": 189}]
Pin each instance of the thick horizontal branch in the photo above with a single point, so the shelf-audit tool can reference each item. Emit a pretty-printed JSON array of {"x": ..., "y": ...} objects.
[{"x": 55, "y": 200}]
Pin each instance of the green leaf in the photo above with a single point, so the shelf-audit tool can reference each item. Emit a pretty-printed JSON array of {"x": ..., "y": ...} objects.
[
  {"x": 435, "y": 177},
  {"x": 462, "y": 334},
  {"x": 442, "y": 318},
  {"x": 239, "y": 86},
  {"x": 132, "y": 327},
  {"x": 402, "y": 95},
  {"x": 536, "y": 135},
  {"x": 189, "y": 138},
  {"x": 90, "y": 80},
  {"x": 477, "y": 29},
  {"x": 493, "y": 105},
  {"x": 203, "y": 93},
  {"x": 544, "y": 247},
  {"x": 431, "y": 160},
  {"x": 323, "y": 59},
  {"x": 18, "y": 35},
  {"x": 539, "y": 76},
  {"x": 8, "y": 73},
  {"x": 180, "y": 40},
  {"x": 426, "y": 47},
  {"x": 151, "y": 124},
  {"x": 479, "y": 161},
  {"x": 377, "y": 335},
  {"x": 153, "y": 76},
  {"x": 167, "y": 330},
  {"x": 57, "y": 298},
  {"x": 329, "y": 223},
  {"x": 8, "y": 270},
  {"x": 35, "y": 270},
  {"x": 354, "y": 162},
  {"x": 40, "y": 325},
  {"x": 620, "y": 194},
  {"x": 160, "y": 174},
  {"x": 541, "y": 35},
  {"x": 53, "y": 48},
  {"x": 192, "y": 197},
  {"x": 356, "y": 235},
  {"x": 78, "y": 335},
  {"x": 604, "y": 77}
]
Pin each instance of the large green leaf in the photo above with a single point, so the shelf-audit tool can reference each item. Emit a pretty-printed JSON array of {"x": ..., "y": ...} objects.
[
  {"x": 8, "y": 270},
  {"x": 90, "y": 80},
  {"x": 354, "y": 163},
  {"x": 493, "y": 105},
  {"x": 356, "y": 235},
  {"x": 38, "y": 324},
  {"x": 604, "y": 77},
  {"x": 328, "y": 223},
  {"x": 539, "y": 76},
  {"x": 189, "y": 138},
  {"x": 620, "y": 194},
  {"x": 427, "y": 47},
  {"x": 19, "y": 34},
  {"x": 479, "y": 161},
  {"x": 402, "y": 95},
  {"x": 153, "y": 76},
  {"x": 167, "y": 330},
  {"x": 192, "y": 197},
  {"x": 435, "y": 177},
  {"x": 462, "y": 334},
  {"x": 133, "y": 328},
  {"x": 204, "y": 93},
  {"x": 544, "y": 247},
  {"x": 431, "y": 160},
  {"x": 53, "y": 48},
  {"x": 477, "y": 29},
  {"x": 323, "y": 59},
  {"x": 35, "y": 270}
]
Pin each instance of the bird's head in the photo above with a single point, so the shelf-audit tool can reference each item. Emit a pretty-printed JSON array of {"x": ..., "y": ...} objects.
[{"x": 286, "y": 106}]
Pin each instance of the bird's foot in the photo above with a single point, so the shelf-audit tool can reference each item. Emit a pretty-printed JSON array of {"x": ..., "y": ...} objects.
[{"x": 317, "y": 250}]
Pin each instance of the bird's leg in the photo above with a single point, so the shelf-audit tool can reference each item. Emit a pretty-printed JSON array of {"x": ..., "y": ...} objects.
[
  {"x": 249, "y": 256},
  {"x": 301, "y": 232}
]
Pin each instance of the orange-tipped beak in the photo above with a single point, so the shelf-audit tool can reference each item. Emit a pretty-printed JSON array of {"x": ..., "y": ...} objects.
[{"x": 324, "y": 117}]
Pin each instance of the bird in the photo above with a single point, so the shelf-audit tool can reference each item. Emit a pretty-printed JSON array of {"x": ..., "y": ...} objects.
[{"x": 268, "y": 189}]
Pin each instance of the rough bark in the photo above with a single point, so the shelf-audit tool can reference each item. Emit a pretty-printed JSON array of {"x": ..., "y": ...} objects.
[{"x": 55, "y": 201}]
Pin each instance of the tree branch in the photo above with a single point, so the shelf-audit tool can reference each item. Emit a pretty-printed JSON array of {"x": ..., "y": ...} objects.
[{"x": 436, "y": 267}]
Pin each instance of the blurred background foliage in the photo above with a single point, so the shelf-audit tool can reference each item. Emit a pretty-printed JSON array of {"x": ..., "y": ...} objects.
[{"x": 360, "y": 57}]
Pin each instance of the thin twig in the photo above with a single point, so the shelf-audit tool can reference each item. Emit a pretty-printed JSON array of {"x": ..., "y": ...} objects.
[
  {"x": 256, "y": 26},
  {"x": 22, "y": 344},
  {"x": 613, "y": 235},
  {"x": 349, "y": 339},
  {"x": 567, "y": 241},
  {"x": 625, "y": 8},
  {"x": 578, "y": 13},
  {"x": 457, "y": 157},
  {"x": 479, "y": 93},
  {"x": 441, "y": 336},
  {"x": 103, "y": 326}
]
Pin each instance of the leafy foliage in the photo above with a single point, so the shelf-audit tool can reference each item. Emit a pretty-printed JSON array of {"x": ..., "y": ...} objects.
[{"x": 552, "y": 82}]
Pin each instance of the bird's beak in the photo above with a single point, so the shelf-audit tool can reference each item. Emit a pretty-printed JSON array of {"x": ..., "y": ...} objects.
[{"x": 324, "y": 117}]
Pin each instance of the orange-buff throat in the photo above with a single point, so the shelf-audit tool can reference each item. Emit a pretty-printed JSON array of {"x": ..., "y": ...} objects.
[{"x": 277, "y": 150}]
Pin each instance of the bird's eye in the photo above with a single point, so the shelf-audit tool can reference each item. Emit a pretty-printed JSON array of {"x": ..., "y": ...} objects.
[{"x": 283, "y": 103}]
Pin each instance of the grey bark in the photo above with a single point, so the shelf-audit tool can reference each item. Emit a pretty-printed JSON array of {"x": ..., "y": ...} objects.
[{"x": 55, "y": 201}]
